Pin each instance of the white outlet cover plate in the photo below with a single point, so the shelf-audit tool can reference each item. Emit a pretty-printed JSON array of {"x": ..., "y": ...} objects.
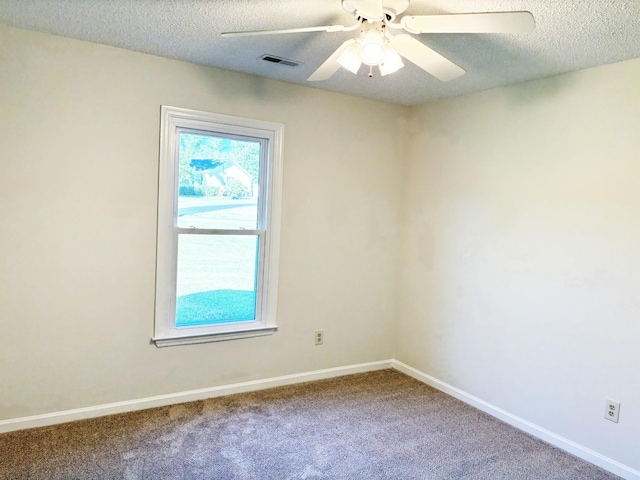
[{"x": 612, "y": 410}]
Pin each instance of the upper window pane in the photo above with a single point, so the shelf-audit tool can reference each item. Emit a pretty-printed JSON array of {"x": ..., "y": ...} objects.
[{"x": 218, "y": 182}]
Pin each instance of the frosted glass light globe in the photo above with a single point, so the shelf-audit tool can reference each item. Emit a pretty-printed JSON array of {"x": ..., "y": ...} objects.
[{"x": 372, "y": 48}]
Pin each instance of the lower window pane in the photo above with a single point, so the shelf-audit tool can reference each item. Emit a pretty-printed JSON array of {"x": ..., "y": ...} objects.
[{"x": 216, "y": 279}]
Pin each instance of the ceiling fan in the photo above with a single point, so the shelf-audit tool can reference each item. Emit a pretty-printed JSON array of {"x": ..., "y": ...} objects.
[{"x": 377, "y": 46}]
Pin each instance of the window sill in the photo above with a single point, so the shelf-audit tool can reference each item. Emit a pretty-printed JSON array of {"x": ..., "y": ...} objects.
[{"x": 213, "y": 337}]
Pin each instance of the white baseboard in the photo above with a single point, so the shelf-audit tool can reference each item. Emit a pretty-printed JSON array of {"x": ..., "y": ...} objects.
[
  {"x": 535, "y": 430},
  {"x": 181, "y": 397}
]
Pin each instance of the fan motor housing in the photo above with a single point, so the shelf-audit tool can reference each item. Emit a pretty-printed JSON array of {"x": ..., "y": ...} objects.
[{"x": 391, "y": 8}]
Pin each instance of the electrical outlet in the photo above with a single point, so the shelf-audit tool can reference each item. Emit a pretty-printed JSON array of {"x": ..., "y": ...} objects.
[
  {"x": 319, "y": 335},
  {"x": 612, "y": 411}
]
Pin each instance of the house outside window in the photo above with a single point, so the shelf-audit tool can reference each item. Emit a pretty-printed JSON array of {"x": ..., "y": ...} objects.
[{"x": 218, "y": 227}]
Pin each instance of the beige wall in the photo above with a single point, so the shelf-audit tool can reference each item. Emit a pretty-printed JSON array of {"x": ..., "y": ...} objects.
[
  {"x": 78, "y": 185},
  {"x": 521, "y": 252}
]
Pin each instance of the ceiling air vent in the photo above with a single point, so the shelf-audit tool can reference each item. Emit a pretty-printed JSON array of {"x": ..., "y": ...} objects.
[{"x": 279, "y": 60}]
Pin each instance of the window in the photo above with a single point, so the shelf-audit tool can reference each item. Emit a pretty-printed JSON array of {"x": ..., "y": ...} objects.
[{"x": 218, "y": 227}]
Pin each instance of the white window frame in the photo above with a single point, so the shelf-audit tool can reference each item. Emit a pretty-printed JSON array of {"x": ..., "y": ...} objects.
[{"x": 173, "y": 121}]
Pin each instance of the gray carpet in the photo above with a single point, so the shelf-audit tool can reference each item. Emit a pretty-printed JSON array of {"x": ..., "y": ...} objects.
[{"x": 378, "y": 425}]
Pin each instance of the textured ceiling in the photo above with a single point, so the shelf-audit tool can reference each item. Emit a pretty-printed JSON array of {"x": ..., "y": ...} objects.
[{"x": 570, "y": 35}]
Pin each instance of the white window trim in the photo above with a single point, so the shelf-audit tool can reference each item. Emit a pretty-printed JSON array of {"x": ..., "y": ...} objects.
[{"x": 165, "y": 331}]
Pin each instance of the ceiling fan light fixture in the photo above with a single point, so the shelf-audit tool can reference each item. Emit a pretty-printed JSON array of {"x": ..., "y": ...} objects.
[
  {"x": 372, "y": 49},
  {"x": 392, "y": 61},
  {"x": 350, "y": 58},
  {"x": 376, "y": 46}
]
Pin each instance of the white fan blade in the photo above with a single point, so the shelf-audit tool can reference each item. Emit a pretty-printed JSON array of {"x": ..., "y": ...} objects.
[
  {"x": 329, "y": 28},
  {"x": 369, "y": 9},
  {"x": 330, "y": 65},
  {"x": 500, "y": 22},
  {"x": 427, "y": 59}
]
